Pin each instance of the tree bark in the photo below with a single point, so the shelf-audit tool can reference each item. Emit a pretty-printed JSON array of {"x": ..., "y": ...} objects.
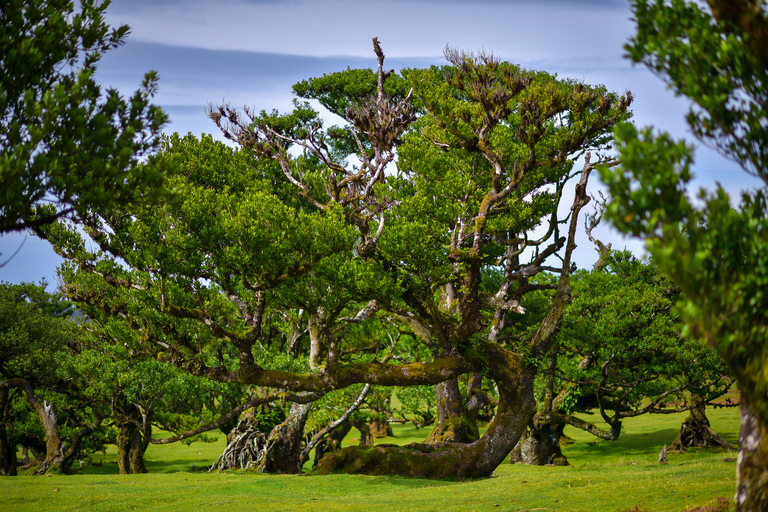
[
  {"x": 136, "y": 455},
  {"x": 285, "y": 443},
  {"x": 47, "y": 412},
  {"x": 132, "y": 441},
  {"x": 332, "y": 442},
  {"x": 380, "y": 428},
  {"x": 125, "y": 432},
  {"x": 366, "y": 437},
  {"x": 453, "y": 423},
  {"x": 540, "y": 446},
  {"x": 752, "y": 471},
  {"x": 139, "y": 445},
  {"x": 8, "y": 460},
  {"x": 130, "y": 444},
  {"x": 53, "y": 449}
]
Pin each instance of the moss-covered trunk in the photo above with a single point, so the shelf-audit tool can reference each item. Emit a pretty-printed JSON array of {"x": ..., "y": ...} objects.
[
  {"x": 332, "y": 442},
  {"x": 125, "y": 434},
  {"x": 540, "y": 446},
  {"x": 541, "y": 443},
  {"x": 454, "y": 460},
  {"x": 8, "y": 460},
  {"x": 54, "y": 456},
  {"x": 454, "y": 424},
  {"x": 130, "y": 443},
  {"x": 366, "y": 436},
  {"x": 285, "y": 443},
  {"x": 752, "y": 472},
  {"x": 138, "y": 447}
]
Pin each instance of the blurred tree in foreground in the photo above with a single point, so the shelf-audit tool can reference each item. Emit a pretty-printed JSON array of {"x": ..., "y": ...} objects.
[
  {"x": 717, "y": 254},
  {"x": 66, "y": 145}
]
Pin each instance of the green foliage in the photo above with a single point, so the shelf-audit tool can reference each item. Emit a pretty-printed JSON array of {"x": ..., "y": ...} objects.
[
  {"x": 621, "y": 341},
  {"x": 716, "y": 65},
  {"x": 417, "y": 403},
  {"x": 39, "y": 340},
  {"x": 316, "y": 259},
  {"x": 34, "y": 327},
  {"x": 65, "y": 144},
  {"x": 714, "y": 253}
]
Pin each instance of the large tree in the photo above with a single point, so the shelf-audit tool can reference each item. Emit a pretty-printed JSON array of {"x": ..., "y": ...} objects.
[
  {"x": 715, "y": 252},
  {"x": 426, "y": 215},
  {"x": 66, "y": 145}
]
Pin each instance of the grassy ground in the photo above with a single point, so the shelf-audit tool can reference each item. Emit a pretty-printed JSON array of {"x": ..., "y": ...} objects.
[{"x": 605, "y": 476}]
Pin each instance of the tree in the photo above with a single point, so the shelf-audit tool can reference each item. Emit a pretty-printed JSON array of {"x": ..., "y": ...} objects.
[
  {"x": 715, "y": 253},
  {"x": 419, "y": 219},
  {"x": 620, "y": 354},
  {"x": 621, "y": 351},
  {"x": 36, "y": 336},
  {"x": 65, "y": 145},
  {"x": 141, "y": 393}
]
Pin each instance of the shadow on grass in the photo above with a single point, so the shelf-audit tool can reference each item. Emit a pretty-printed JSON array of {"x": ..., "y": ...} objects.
[
  {"x": 640, "y": 446},
  {"x": 640, "y": 443},
  {"x": 164, "y": 466}
]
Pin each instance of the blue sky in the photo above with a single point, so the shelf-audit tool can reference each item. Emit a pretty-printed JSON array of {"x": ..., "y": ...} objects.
[{"x": 250, "y": 52}]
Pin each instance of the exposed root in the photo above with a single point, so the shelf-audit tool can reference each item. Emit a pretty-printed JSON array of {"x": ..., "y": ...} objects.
[{"x": 245, "y": 451}]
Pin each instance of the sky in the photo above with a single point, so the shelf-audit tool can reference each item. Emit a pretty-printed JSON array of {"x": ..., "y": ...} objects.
[{"x": 250, "y": 52}]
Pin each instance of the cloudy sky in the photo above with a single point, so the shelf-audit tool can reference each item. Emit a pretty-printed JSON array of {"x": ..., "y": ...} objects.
[{"x": 250, "y": 52}]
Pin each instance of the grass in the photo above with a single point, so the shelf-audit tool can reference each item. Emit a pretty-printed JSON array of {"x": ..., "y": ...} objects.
[{"x": 605, "y": 476}]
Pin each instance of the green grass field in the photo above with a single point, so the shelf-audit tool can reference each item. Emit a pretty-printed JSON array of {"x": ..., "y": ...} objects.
[{"x": 606, "y": 476}]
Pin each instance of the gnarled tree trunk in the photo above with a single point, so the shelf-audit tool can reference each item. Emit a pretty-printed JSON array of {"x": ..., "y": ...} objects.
[
  {"x": 366, "y": 437},
  {"x": 332, "y": 442},
  {"x": 454, "y": 460},
  {"x": 139, "y": 445},
  {"x": 125, "y": 433},
  {"x": 130, "y": 443},
  {"x": 57, "y": 459},
  {"x": 54, "y": 456},
  {"x": 133, "y": 434},
  {"x": 540, "y": 446},
  {"x": 285, "y": 443},
  {"x": 454, "y": 425},
  {"x": 696, "y": 431}
]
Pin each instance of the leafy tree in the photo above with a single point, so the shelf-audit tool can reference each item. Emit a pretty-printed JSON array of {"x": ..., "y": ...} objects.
[
  {"x": 430, "y": 210},
  {"x": 65, "y": 144},
  {"x": 61, "y": 389},
  {"x": 714, "y": 252},
  {"x": 620, "y": 352},
  {"x": 36, "y": 340},
  {"x": 141, "y": 393}
]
